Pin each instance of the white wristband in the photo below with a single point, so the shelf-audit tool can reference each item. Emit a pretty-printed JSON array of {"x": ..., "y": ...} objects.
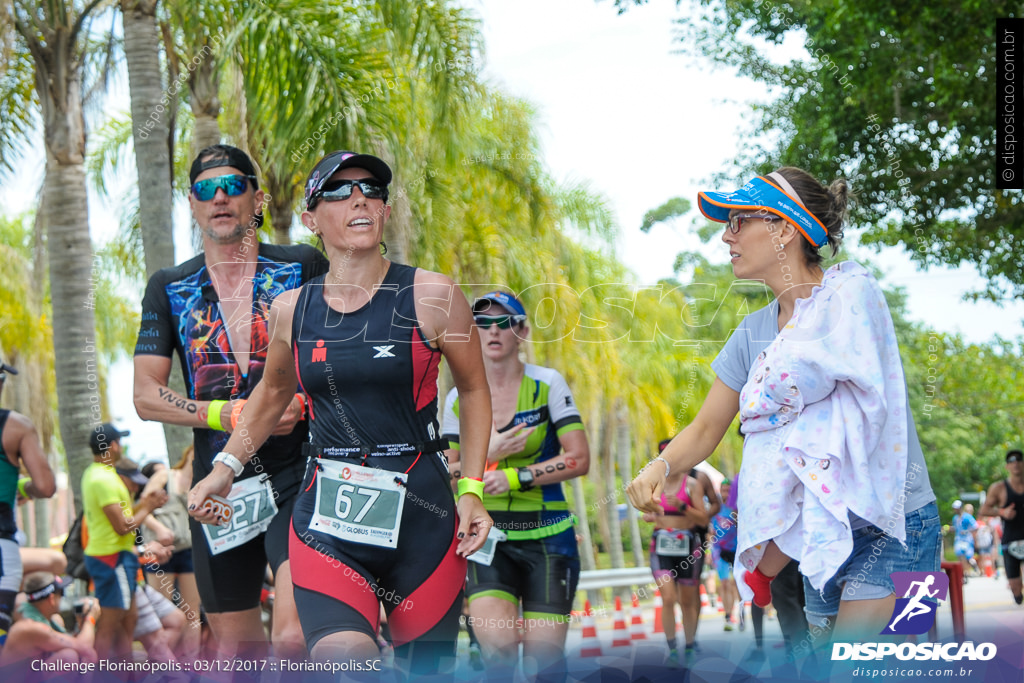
[
  {"x": 231, "y": 461},
  {"x": 668, "y": 468}
]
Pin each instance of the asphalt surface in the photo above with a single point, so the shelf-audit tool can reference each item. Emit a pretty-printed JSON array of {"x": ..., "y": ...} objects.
[{"x": 731, "y": 656}]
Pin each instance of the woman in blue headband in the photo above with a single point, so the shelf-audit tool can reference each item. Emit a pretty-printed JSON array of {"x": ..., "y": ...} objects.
[{"x": 828, "y": 435}]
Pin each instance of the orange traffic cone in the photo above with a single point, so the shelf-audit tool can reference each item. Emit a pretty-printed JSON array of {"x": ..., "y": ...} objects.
[
  {"x": 719, "y": 604},
  {"x": 591, "y": 645},
  {"x": 704, "y": 602},
  {"x": 620, "y": 638},
  {"x": 636, "y": 622},
  {"x": 657, "y": 612},
  {"x": 988, "y": 567}
]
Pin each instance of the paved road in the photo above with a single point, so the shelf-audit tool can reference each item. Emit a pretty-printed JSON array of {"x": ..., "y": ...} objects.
[
  {"x": 991, "y": 616},
  {"x": 988, "y": 603}
]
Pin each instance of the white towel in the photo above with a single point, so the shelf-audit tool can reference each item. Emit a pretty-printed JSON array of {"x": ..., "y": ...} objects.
[{"x": 823, "y": 411}]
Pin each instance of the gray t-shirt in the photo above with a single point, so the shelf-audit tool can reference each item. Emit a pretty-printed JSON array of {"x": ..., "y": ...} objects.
[{"x": 732, "y": 366}]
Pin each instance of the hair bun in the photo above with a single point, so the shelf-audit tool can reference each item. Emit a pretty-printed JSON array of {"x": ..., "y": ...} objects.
[{"x": 839, "y": 191}]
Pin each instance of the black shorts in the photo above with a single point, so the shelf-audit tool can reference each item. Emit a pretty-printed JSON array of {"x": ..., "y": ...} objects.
[
  {"x": 231, "y": 581},
  {"x": 180, "y": 563},
  {"x": 683, "y": 569},
  {"x": 10, "y": 583},
  {"x": 545, "y": 581},
  {"x": 340, "y": 585},
  {"x": 1011, "y": 564}
]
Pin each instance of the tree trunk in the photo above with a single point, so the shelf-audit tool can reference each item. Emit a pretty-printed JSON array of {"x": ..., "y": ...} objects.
[
  {"x": 70, "y": 258},
  {"x": 42, "y": 528},
  {"x": 587, "y": 560},
  {"x": 149, "y": 132},
  {"x": 398, "y": 233},
  {"x": 280, "y": 207},
  {"x": 622, "y": 447},
  {"x": 615, "y": 550},
  {"x": 151, "y": 118},
  {"x": 203, "y": 86},
  {"x": 611, "y": 507},
  {"x": 40, "y": 401},
  {"x": 600, "y": 482}
]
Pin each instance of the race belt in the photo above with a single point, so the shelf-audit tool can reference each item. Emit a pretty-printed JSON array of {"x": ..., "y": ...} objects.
[
  {"x": 382, "y": 449},
  {"x": 540, "y": 532}
]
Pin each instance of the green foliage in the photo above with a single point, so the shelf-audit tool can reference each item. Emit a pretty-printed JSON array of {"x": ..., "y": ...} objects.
[
  {"x": 18, "y": 100},
  {"x": 897, "y": 98},
  {"x": 968, "y": 401},
  {"x": 673, "y": 208}
]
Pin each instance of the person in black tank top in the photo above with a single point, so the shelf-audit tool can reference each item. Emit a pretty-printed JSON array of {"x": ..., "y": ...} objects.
[
  {"x": 19, "y": 445},
  {"x": 1006, "y": 500},
  {"x": 374, "y": 524}
]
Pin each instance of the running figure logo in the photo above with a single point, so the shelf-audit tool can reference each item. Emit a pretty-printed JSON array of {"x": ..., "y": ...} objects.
[{"x": 922, "y": 593}]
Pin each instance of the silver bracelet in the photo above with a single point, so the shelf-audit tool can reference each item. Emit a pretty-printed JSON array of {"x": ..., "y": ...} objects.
[{"x": 668, "y": 468}]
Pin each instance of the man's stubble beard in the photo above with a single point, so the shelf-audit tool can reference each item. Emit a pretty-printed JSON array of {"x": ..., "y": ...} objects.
[{"x": 232, "y": 237}]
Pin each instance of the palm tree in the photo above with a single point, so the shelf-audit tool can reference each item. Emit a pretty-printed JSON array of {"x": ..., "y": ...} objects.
[
  {"x": 26, "y": 339},
  {"x": 150, "y": 132},
  {"x": 193, "y": 48},
  {"x": 52, "y": 37},
  {"x": 310, "y": 97}
]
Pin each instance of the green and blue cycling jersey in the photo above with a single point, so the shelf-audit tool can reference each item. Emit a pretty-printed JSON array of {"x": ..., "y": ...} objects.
[{"x": 544, "y": 402}]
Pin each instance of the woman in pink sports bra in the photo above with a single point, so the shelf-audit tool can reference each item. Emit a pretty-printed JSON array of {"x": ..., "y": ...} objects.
[{"x": 677, "y": 557}]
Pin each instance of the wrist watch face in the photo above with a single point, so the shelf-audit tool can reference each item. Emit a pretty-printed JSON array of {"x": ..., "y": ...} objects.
[{"x": 525, "y": 478}]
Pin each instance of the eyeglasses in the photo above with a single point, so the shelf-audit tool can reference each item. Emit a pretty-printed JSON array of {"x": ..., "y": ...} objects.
[
  {"x": 502, "y": 321},
  {"x": 736, "y": 222},
  {"x": 340, "y": 190},
  {"x": 233, "y": 186}
]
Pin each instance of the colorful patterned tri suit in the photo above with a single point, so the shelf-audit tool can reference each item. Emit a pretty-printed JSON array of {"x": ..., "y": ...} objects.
[{"x": 181, "y": 312}]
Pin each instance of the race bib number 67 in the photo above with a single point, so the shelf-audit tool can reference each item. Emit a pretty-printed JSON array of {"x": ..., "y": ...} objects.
[{"x": 359, "y": 504}]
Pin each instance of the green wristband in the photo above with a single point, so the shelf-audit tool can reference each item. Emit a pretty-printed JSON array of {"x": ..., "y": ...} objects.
[
  {"x": 213, "y": 416},
  {"x": 512, "y": 474},
  {"x": 470, "y": 485},
  {"x": 22, "y": 484}
]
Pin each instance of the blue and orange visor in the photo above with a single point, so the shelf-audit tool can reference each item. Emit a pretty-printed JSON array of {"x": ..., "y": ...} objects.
[{"x": 761, "y": 194}]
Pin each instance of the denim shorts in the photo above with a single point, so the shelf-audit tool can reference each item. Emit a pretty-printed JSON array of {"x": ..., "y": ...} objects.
[{"x": 866, "y": 573}]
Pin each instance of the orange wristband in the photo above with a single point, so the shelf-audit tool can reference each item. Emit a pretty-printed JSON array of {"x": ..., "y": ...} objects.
[{"x": 236, "y": 411}]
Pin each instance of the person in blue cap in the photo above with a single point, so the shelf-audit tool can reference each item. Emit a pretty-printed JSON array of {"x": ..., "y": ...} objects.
[
  {"x": 537, "y": 442},
  {"x": 828, "y": 434}
]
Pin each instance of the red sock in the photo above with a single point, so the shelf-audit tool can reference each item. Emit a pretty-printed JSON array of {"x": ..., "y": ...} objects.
[{"x": 762, "y": 587}]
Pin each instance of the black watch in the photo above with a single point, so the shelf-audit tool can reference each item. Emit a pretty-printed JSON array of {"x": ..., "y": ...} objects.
[{"x": 525, "y": 478}]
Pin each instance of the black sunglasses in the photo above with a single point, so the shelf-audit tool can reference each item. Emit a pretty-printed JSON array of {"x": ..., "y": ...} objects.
[
  {"x": 233, "y": 186},
  {"x": 340, "y": 190},
  {"x": 502, "y": 321}
]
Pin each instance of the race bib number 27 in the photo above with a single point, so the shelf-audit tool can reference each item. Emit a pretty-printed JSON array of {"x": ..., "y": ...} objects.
[
  {"x": 252, "y": 510},
  {"x": 359, "y": 504}
]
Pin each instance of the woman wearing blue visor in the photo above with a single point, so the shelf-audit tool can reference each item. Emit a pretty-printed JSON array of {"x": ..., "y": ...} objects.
[{"x": 817, "y": 379}]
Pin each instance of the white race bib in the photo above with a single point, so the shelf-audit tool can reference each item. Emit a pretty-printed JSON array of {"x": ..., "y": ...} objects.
[
  {"x": 672, "y": 543},
  {"x": 359, "y": 504},
  {"x": 1016, "y": 549},
  {"x": 254, "y": 509},
  {"x": 485, "y": 555}
]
